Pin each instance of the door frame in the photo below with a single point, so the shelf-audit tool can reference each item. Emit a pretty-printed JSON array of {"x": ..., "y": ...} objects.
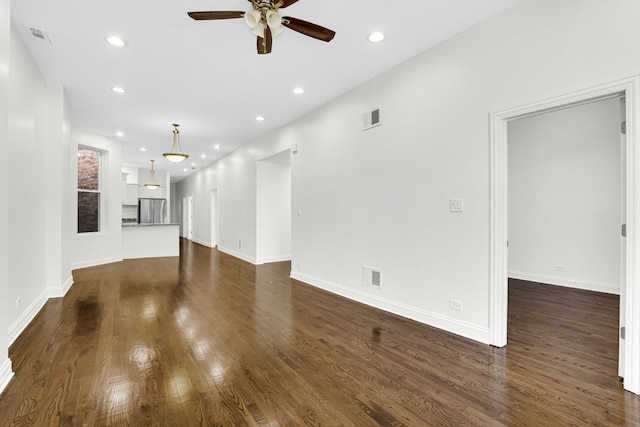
[{"x": 498, "y": 240}]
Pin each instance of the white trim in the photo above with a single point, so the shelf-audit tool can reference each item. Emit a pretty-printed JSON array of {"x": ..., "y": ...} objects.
[
  {"x": 96, "y": 262},
  {"x": 5, "y": 374},
  {"x": 445, "y": 323},
  {"x": 498, "y": 263},
  {"x": 26, "y": 317},
  {"x": 202, "y": 242},
  {"x": 277, "y": 258},
  {"x": 587, "y": 285},
  {"x": 237, "y": 255},
  {"x": 61, "y": 291}
]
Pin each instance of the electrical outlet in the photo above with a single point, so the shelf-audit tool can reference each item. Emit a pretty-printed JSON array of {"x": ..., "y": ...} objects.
[
  {"x": 455, "y": 305},
  {"x": 18, "y": 302},
  {"x": 456, "y": 205},
  {"x": 562, "y": 268},
  {"x": 299, "y": 266}
]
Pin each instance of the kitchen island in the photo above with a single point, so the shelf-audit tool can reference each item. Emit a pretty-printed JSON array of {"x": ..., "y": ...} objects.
[{"x": 150, "y": 240}]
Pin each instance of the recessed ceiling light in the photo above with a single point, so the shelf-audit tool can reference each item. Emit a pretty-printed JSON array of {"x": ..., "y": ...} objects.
[
  {"x": 186, "y": 170},
  {"x": 298, "y": 91},
  {"x": 217, "y": 146},
  {"x": 260, "y": 118},
  {"x": 376, "y": 37},
  {"x": 143, "y": 149},
  {"x": 193, "y": 164},
  {"x": 119, "y": 134},
  {"x": 118, "y": 89},
  {"x": 204, "y": 156},
  {"x": 116, "y": 41}
]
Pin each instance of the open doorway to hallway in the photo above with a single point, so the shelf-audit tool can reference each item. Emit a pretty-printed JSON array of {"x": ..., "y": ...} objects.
[{"x": 273, "y": 213}]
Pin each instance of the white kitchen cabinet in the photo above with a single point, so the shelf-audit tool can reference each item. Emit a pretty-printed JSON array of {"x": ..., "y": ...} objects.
[{"x": 132, "y": 195}]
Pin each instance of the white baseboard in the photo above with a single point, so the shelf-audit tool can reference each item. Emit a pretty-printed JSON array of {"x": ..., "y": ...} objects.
[
  {"x": 203, "y": 243},
  {"x": 61, "y": 291},
  {"x": 237, "y": 255},
  {"x": 26, "y": 317},
  {"x": 445, "y": 323},
  {"x": 277, "y": 258},
  {"x": 586, "y": 285},
  {"x": 95, "y": 262},
  {"x": 5, "y": 374}
]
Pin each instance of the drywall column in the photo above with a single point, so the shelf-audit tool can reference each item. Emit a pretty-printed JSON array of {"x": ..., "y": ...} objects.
[
  {"x": 5, "y": 362},
  {"x": 58, "y": 184}
]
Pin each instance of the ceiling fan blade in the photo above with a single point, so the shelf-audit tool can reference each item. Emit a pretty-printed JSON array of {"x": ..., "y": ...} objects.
[
  {"x": 264, "y": 44},
  {"x": 287, "y": 3},
  {"x": 206, "y": 16},
  {"x": 308, "y": 29}
]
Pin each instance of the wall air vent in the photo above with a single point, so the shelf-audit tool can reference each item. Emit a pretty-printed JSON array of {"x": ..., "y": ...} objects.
[
  {"x": 371, "y": 119},
  {"x": 38, "y": 34},
  {"x": 371, "y": 277}
]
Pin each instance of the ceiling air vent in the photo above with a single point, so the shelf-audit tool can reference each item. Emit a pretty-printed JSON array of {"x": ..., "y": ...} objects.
[
  {"x": 38, "y": 34},
  {"x": 371, "y": 277},
  {"x": 371, "y": 119}
]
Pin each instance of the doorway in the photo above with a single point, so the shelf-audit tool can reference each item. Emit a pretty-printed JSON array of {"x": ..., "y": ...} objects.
[
  {"x": 629, "y": 281},
  {"x": 273, "y": 208}
]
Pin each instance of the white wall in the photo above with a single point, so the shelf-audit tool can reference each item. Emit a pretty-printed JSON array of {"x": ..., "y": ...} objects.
[
  {"x": 58, "y": 193},
  {"x": 35, "y": 255},
  {"x": 564, "y": 197},
  {"x": 380, "y": 198},
  {"x": 27, "y": 199},
  {"x": 106, "y": 246},
  {"x": 274, "y": 209},
  {"x": 5, "y": 29}
]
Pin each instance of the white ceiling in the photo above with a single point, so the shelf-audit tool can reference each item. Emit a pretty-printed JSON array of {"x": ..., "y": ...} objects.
[{"x": 207, "y": 76}]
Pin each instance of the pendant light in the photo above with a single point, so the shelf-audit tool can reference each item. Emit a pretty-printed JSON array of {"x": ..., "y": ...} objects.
[
  {"x": 176, "y": 155},
  {"x": 152, "y": 177}
]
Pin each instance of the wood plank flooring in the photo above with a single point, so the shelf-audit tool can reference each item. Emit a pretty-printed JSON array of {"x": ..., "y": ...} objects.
[{"x": 209, "y": 340}]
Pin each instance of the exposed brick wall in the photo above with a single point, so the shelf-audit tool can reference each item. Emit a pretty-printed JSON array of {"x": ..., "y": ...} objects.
[
  {"x": 88, "y": 169},
  {"x": 88, "y": 202}
]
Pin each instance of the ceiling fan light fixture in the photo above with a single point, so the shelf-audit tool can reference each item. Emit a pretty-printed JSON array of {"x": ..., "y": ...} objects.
[
  {"x": 276, "y": 30},
  {"x": 258, "y": 30},
  {"x": 274, "y": 20},
  {"x": 175, "y": 155},
  {"x": 252, "y": 18}
]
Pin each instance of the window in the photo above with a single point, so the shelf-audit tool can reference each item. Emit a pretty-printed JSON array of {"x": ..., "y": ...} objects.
[{"x": 89, "y": 163}]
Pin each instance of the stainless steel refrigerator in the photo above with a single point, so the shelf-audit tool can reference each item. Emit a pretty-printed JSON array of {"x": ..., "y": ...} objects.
[{"x": 152, "y": 211}]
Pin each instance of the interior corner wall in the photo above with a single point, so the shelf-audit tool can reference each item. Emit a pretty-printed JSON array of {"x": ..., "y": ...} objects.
[
  {"x": 6, "y": 371},
  {"x": 565, "y": 197},
  {"x": 90, "y": 249},
  {"x": 381, "y": 197}
]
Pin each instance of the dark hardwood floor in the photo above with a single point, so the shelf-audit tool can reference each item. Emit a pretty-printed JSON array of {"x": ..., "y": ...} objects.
[{"x": 212, "y": 340}]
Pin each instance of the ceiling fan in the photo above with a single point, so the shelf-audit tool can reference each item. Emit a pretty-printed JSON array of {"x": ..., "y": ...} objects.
[{"x": 266, "y": 22}]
